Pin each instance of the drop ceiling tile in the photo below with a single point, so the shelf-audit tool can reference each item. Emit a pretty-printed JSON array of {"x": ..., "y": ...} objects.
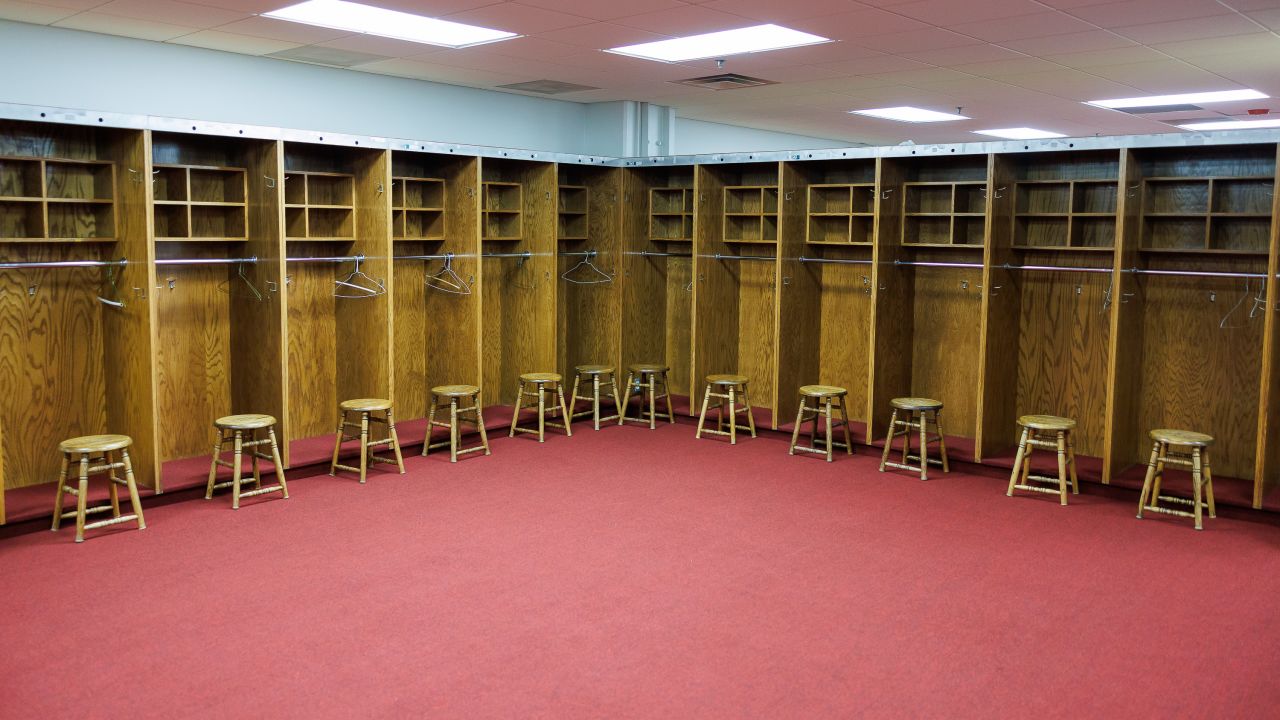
[
  {"x": 603, "y": 10},
  {"x": 373, "y": 44},
  {"x": 127, "y": 27},
  {"x": 174, "y": 13},
  {"x": 915, "y": 77},
  {"x": 78, "y": 5},
  {"x": 1098, "y": 58},
  {"x": 231, "y": 42},
  {"x": 875, "y": 65},
  {"x": 253, "y": 7},
  {"x": 1070, "y": 85},
  {"x": 918, "y": 40},
  {"x": 1165, "y": 76},
  {"x": 273, "y": 29},
  {"x": 1261, "y": 42},
  {"x": 1218, "y": 26},
  {"x": 811, "y": 54},
  {"x": 32, "y": 13},
  {"x": 516, "y": 18},
  {"x": 1086, "y": 41},
  {"x": 535, "y": 48},
  {"x": 1023, "y": 27},
  {"x": 1138, "y": 12},
  {"x": 1000, "y": 68},
  {"x": 685, "y": 20},
  {"x": 782, "y": 12},
  {"x": 858, "y": 24},
  {"x": 601, "y": 35},
  {"x": 1268, "y": 18},
  {"x": 1250, "y": 5},
  {"x": 963, "y": 54},
  {"x": 947, "y": 13}
]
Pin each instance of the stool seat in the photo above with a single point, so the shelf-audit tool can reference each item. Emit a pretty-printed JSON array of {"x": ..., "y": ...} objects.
[
  {"x": 364, "y": 405},
  {"x": 1185, "y": 438},
  {"x": 820, "y": 391},
  {"x": 647, "y": 368},
  {"x": 95, "y": 443},
  {"x": 540, "y": 377},
  {"x": 1047, "y": 422},
  {"x": 726, "y": 379},
  {"x": 915, "y": 403},
  {"x": 593, "y": 369},
  {"x": 455, "y": 390},
  {"x": 244, "y": 422}
]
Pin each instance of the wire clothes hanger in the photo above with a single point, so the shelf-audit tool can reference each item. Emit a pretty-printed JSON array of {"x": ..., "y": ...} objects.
[
  {"x": 113, "y": 274},
  {"x": 598, "y": 276},
  {"x": 245, "y": 289},
  {"x": 445, "y": 280},
  {"x": 358, "y": 285}
]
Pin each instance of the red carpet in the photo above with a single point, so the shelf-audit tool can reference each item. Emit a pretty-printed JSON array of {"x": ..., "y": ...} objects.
[{"x": 630, "y": 573}]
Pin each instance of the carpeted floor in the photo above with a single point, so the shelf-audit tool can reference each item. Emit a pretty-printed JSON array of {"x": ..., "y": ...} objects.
[{"x": 636, "y": 573}]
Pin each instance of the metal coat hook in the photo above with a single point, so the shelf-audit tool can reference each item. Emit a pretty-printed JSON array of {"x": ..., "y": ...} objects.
[
  {"x": 381, "y": 189},
  {"x": 1132, "y": 189},
  {"x": 135, "y": 176},
  {"x": 271, "y": 182},
  {"x": 884, "y": 194},
  {"x": 111, "y": 281},
  {"x": 1106, "y": 296},
  {"x": 31, "y": 290}
]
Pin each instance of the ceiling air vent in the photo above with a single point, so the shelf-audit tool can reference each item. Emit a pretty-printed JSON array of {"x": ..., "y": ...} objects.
[
  {"x": 332, "y": 57},
  {"x": 547, "y": 87},
  {"x": 724, "y": 81}
]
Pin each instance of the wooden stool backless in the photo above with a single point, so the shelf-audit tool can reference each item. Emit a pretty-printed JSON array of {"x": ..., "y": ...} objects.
[
  {"x": 601, "y": 376},
  {"x": 453, "y": 395},
  {"x": 826, "y": 400},
  {"x": 242, "y": 432},
  {"x": 730, "y": 390},
  {"x": 1060, "y": 429},
  {"x": 365, "y": 408},
  {"x": 94, "y": 455},
  {"x": 917, "y": 413},
  {"x": 1190, "y": 450},
  {"x": 644, "y": 378},
  {"x": 538, "y": 385}
]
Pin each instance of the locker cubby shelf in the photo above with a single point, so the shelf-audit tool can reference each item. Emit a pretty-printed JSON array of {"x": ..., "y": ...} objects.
[
  {"x": 1224, "y": 215},
  {"x": 841, "y": 214},
  {"x": 751, "y": 214},
  {"x": 319, "y": 206},
  {"x": 199, "y": 203},
  {"x": 1065, "y": 215},
  {"x": 503, "y": 204},
  {"x": 56, "y": 200},
  {"x": 573, "y": 212},
  {"x": 671, "y": 214},
  {"x": 417, "y": 206},
  {"x": 938, "y": 214}
]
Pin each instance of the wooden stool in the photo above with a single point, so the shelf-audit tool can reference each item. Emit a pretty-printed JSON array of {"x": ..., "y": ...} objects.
[
  {"x": 366, "y": 407},
  {"x": 454, "y": 394},
  {"x": 96, "y": 449},
  {"x": 917, "y": 412},
  {"x": 1032, "y": 427},
  {"x": 826, "y": 398},
  {"x": 731, "y": 388},
  {"x": 642, "y": 378},
  {"x": 1188, "y": 449},
  {"x": 542, "y": 383},
  {"x": 601, "y": 375},
  {"x": 233, "y": 429}
]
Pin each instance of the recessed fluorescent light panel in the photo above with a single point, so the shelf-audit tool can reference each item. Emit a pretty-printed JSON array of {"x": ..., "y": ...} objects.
[
  {"x": 369, "y": 20},
  {"x": 906, "y": 113},
  {"x": 1231, "y": 125},
  {"x": 1185, "y": 98},
  {"x": 1020, "y": 133},
  {"x": 758, "y": 38}
]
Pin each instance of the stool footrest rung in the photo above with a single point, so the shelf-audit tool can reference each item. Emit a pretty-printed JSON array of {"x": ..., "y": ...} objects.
[
  {"x": 932, "y": 461},
  {"x": 591, "y": 413},
  {"x": 1045, "y": 479},
  {"x": 816, "y": 450},
  {"x": 446, "y": 443},
  {"x": 740, "y": 428},
  {"x": 1169, "y": 511},
  {"x": 110, "y": 521},
  {"x": 1182, "y": 501},
  {"x": 1037, "y": 488},
  {"x": 371, "y": 459},
  {"x": 87, "y": 511}
]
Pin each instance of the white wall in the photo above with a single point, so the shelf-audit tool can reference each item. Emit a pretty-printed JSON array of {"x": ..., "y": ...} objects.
[
  {"x": 694, "y": 137},
  {"x": 88, "y": 71}
]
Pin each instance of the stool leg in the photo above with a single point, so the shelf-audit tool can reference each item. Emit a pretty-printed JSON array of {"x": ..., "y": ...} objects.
[
  {"x": 826, "y": 412},
  {"x": 431, "y": 424},
  {"x": 57, "y": 498},
  {"x": 595, "y": 399},
  {"x": 275, "y": 460},
  {"x": 1197, "y": 487},
  {"x": 573, "y": 403},
  {"x": 453, "y": 428},
  {"x": 542, "y": 411},
  {"x": 751, "y": 416},
  {"x": 733, "y": 416},
  {"x": 132, "y": 486},
  {"x": 364, "y": 446},
  {"x": 942, "y": 441},
  {"x": 1026, "y": 459},
  {"x": 622, "y": 409},
  {"x": 484, "y": 438},
  {"x": 702, "y": 416},
  {"x": 795, "y": 431},
  {"x": 1208, "y": 483},
  {"x": 924, "y": 446},
  {"x": 1149, "y": 481},
  {"x": 1155, "y": 488},
  {"x": 82, "y": 498},
  {"x": 1062, "y": 467},
  {"x": 888, "y": 441},
  {"x": 395, "y": 440},
  {"x": 1017, "y": 463},
  {"x": 617, "y": 397},
  {"x": 337, "y": 442},
  {"x": 237, "y": 449},
  {"x": 653, "y": 401},
  {"x": 666, "y": 392},
  {"x": 844, "y": 420},
  {"x": 564, "y": 410},
  {"x": 1071, "y": 463},
  {"x": 515, "y": 416},
  {"x": 113, "y": 488},
  {"x": 213, "y": 464},
  {"x": 253, "y": 461}
]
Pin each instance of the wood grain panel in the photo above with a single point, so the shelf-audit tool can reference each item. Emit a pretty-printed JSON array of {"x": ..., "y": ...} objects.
[
  {"x": 364, "y": 365},
  {"x": 1124, "y": 355},
  {"x": 715, "y": 287},
  {"x": 312, "y": 345},
  {"x": 945, "y": 344},
  {"x": 1001, "y": 300},
  {"x": 1267, "y": 471},
  {"x": 800, "y": 308},
  {"x": 844, "y": 349},
  {"x": 893, "y": 290},
  {"x": 757, "y": 308},
  {"x": 590, "y": 329}
]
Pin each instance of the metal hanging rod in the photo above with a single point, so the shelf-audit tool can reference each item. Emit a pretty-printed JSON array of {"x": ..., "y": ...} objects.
[
  {"x": 524, "y": 255},
  {"x": 651, "y": 253},
  {"x": 580, "y": 253},
  {"x": 922, "y": 263},
  {"x": 206, "y": 261},
  {"x": 718, "y": 256},
  {"x": 340, "y": 259},
  {"x": 445, "y": 256},
  {"x": 62, "y": 264},
  {"x": 834, "y": 261},
  {"x": 1195, "y": 273},
  {"x": 1053, "y": 268}
]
